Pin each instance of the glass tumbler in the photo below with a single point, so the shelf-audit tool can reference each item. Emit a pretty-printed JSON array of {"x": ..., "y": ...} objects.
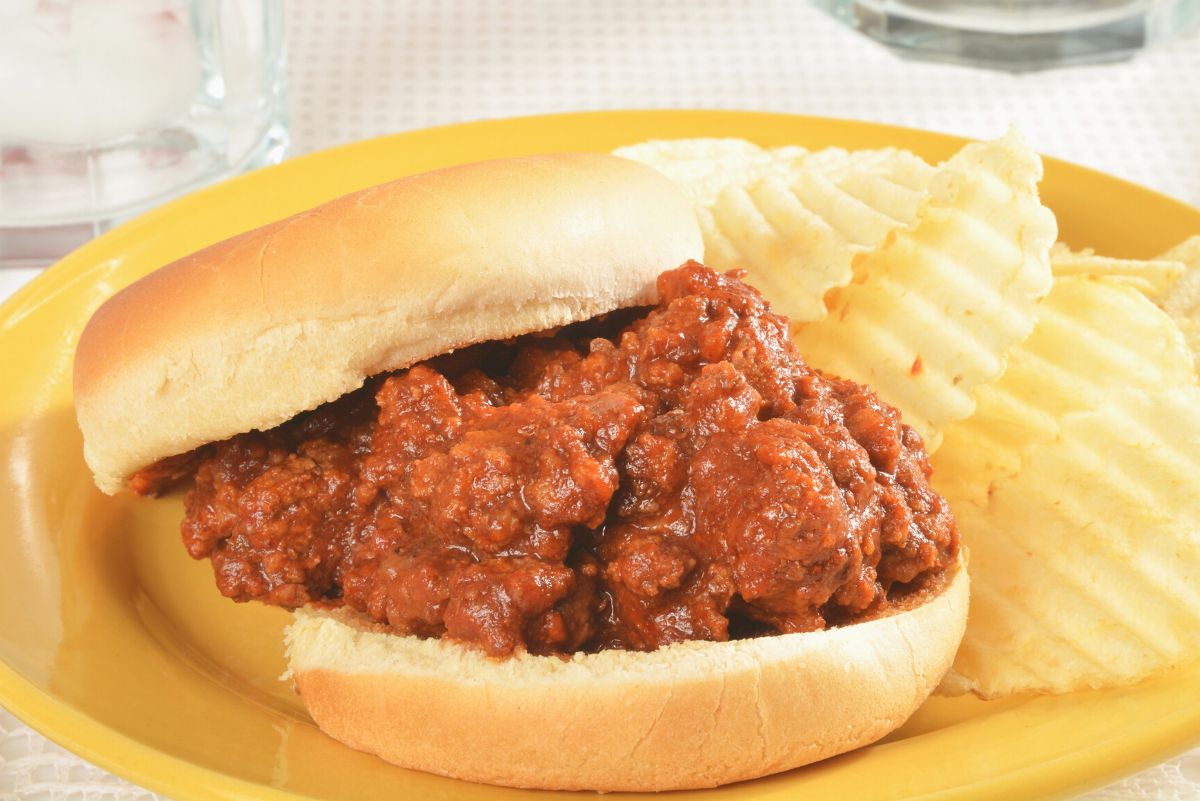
[
  {"x": 109, "y": 107},
  {"x": 1017, "y": 35}
]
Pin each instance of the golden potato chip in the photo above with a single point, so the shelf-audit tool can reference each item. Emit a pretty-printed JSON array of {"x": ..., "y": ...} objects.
[
  {"x": 899, "y": 167},
  {"x": 1085, "y": 565},
  {"x": 1072, "y": 360},
  {"x": 704, "y": 167},
  {"x": 1182, "y": 299},
  {"x": 896, "y": 193},
  {"x": 795, "y": 220},
  {"x": 1187, "y": 251},
  {"x": 1151, "y": 277},
  {"x": 1075, "y": 486},
  {"x": 792, "y": 254},
  {"x": 1172, "y": 280},
  {"x": 933, "y": 311},
  {"x": 797, "y": 238}
]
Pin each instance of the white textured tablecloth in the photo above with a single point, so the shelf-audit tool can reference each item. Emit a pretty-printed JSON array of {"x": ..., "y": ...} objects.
[{"x": 363, "y": 68}]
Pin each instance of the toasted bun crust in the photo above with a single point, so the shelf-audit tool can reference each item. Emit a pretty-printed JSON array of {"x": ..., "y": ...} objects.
[
  {"x": 690, "y": 715},
  {"x": 249, "y": 332}
]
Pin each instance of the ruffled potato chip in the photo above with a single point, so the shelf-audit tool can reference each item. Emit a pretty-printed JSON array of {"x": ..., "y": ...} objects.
[
  {"x": 703, "y": 168},
  {"x": 1075, "y": 489},
  {"x": 795, "y": 220},
  {"x": 1072, "y": 361},
  {"x": 933, "y": 311},
  {"x": 1182, "y": 299},
  {"x": 1151, "y": 277},
  {"x": 1085, "y": 564}
]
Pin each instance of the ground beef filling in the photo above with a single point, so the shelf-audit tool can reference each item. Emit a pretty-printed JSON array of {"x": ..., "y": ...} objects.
[{"x": 647, "y": 478}]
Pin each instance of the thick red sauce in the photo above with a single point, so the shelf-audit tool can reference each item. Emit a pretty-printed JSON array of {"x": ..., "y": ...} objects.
[{"x": 633, "y": 481}]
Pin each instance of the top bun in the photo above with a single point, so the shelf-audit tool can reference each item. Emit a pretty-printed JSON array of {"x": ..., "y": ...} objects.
[{"x": 251, "y": 331}]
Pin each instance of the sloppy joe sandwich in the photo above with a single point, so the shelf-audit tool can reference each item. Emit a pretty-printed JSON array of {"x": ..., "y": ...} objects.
[{"x": 556, "y": 505}]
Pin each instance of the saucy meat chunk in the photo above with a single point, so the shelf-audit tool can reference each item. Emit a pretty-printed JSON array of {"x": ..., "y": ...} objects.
[{"x": 645, "y": 478}]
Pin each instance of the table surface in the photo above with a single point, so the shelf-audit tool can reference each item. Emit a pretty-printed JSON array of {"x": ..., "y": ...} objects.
[{"x": 368, "y": 67}]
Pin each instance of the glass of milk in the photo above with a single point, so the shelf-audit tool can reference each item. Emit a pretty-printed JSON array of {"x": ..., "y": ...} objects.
[{"x": 110, "y": 107}]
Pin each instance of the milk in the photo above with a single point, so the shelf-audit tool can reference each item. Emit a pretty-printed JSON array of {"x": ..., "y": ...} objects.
[
  {"x": 108, "y": 107},
  {"x": 89, "y": 71}
]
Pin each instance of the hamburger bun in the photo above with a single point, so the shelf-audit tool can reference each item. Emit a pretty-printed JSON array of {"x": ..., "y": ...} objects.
[
  {"x": 689, "y": 715},
  {"x": 251, "y": 331}
]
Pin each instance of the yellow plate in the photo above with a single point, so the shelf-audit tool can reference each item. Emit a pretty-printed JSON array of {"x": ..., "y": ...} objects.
[{"x": 115, "y": 644}]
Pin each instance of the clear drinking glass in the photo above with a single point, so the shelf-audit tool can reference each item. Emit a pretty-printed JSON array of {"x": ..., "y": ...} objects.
[
  {"x": 109, "y": 107},
  {"x": 1017, "y": 34}
]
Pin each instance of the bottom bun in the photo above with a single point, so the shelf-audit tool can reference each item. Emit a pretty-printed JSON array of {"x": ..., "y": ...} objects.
[{"x": 689, "y": 715}]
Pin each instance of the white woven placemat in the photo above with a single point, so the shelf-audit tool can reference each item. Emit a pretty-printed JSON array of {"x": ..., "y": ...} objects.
[{"x": 363, "y": 68}]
